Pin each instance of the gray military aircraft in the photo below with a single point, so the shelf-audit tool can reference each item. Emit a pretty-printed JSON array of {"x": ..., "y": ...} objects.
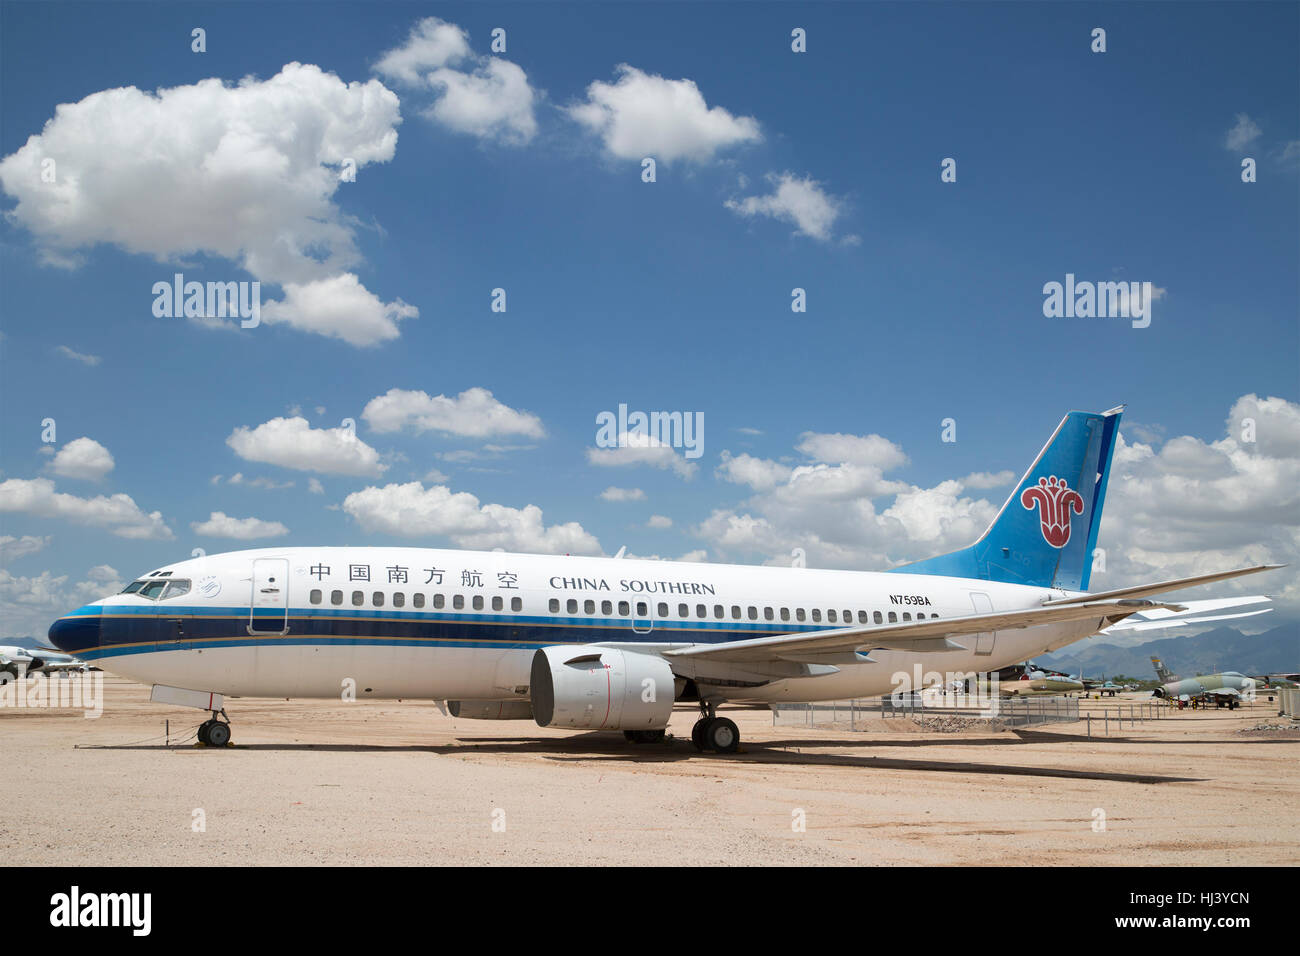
[{"x": 1227, "y": 688}]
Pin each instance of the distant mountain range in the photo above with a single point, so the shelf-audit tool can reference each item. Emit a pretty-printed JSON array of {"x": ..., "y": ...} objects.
[{"x": 1222, "y": 649}]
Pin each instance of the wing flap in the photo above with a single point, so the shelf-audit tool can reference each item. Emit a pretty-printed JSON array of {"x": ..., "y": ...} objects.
[{"x": 917, "y": 636}]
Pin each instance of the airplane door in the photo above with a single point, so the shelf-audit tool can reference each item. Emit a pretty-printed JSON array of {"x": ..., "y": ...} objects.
[
  {"x": 268, "y": 611},
  {"x": 985, "y": 640},
  {"x": 642, "y": 619}
]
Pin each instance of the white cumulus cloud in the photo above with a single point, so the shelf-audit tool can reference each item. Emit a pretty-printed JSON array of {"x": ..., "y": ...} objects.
[
  {"x": 82, "y": 458},
  {"x": 641, "y": 114},
  {"x": 117, "y": 513},
  {"x": 474, "y": 413},
  {"x": 411, "y": 510},
  {"x": 802, "y": 202},
  {"x": 245, "y": 172},
  {"x": 293, "y": 443},
  {"x": 222, "y": 525},
  {"x": 484, "y": 96}
]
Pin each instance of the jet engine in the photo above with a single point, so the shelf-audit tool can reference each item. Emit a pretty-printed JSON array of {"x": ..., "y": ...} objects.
[{"x": 601, "y": 688}]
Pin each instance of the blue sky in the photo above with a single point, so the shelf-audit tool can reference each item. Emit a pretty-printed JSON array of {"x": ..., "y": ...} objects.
[{"x": 924, "y": 298}]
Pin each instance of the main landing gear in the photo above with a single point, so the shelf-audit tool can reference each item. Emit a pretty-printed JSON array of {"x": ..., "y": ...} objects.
[
  {"x": 214, "y": 732},
  {"x": 715, "y": 733}
]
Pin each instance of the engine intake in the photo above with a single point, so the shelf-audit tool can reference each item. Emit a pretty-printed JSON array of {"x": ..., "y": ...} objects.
[{"x": 601, "y": 688}]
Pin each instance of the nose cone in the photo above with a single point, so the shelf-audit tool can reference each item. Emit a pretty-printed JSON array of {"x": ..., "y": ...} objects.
[{"x": 78, "y": 631}]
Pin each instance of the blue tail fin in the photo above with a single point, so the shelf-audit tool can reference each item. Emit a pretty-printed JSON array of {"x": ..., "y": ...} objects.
[{"x": 1046, "y": 532}]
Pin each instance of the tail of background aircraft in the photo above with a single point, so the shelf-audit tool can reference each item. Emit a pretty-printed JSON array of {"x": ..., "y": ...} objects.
[
  {"x": 1162, "y": 672},
  {"x": 1046, "y": 532}
]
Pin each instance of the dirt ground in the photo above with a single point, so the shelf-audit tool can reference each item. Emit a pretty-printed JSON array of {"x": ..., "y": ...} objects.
[{"x": 323, "y": 782}]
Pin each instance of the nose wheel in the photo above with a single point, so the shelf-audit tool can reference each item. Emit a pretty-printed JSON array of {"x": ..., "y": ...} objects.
[
  {"x": 214, "y": 732},
  {"x": 715, "y": 733}
]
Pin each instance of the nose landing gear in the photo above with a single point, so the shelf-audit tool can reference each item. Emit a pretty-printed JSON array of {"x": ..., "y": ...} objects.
[
  {"x": 214, "y": 732},
  {"x": 715, "y": 733}
]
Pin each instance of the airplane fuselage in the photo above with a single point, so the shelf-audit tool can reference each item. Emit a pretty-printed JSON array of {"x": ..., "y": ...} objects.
[{"x": 443, "y": 624}]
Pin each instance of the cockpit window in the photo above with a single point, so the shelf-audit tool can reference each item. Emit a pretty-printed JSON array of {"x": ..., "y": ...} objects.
[
  {"x": 133, "y": 587},
  {"x": 152, "y": 589},
  {"x": 176, "y": 588}
]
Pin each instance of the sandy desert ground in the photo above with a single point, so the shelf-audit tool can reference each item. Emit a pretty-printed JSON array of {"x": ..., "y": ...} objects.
[{"x": 324, "y": 782}]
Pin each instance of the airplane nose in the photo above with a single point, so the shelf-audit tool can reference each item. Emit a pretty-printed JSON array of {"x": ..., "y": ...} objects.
[{"x": 78, "y": 631}]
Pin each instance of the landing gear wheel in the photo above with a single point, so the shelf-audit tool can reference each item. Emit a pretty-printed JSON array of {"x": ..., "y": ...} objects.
[
  {"x": 203, "y": 731},
  {"x": 218, "y": 734},
  {"x": 697, "y": 733},
  {"x": 722, "y": 735}
]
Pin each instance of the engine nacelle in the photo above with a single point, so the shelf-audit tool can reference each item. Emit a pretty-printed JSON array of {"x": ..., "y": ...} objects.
[
  {"x": 491, "y": 709},
  {"x": 601, "y": 688}
]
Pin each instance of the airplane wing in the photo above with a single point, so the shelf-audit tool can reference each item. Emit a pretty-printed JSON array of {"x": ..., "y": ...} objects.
[
  {"x": 840, "y": 645},
  {"x": 1177, "y": 584}
]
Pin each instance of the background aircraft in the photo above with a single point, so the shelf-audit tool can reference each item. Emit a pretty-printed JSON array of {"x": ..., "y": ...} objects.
[
  {"x": 16, "y": 661},
  {"x": 1227, "y": 687}
]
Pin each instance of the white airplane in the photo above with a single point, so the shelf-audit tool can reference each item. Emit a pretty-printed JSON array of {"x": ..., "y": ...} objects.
[
  {"x": 611, "y": 643},
  {"x": 16, "y": 661}
]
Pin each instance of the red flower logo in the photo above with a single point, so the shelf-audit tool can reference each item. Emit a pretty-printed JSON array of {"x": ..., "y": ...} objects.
[{"x": 1055, "y": 501}]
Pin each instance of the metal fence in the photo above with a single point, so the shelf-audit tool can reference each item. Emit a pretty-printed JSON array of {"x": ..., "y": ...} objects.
[{"x": 853, "y": 715}]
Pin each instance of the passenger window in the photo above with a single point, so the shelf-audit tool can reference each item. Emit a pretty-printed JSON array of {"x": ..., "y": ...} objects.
[
  {"x": 701, "y": 611},
  {"x": 399, "y": 599},
  {"x": 893, "y": 618},
  {"x": 571, "y": 606},
  {"x": 768, "y": 614},
  {"x": 862, "y": 617},
  {"x": 458, "y": 602},
  {"x": 907, "y": 615},
  {"x": 607, "y": 608},
  {"x": 178, "y": 587},
  {"x": 683, "y": 610},
  {"x": 378, "y": 598},
  {"x": 516, "y": 604},
  {"x": 799, "y": 614},
  {"x": 554, "y": 605},
  {"x": 336, "y": 598},
  {"x": 418, "y": 600},
  {"x": 358, "y": 598},
  {"x": 717, "y": 611},
  {"x": 752, "y": 613},
  {"x": 877, "y": 618},
  {"x": 439, "y": 601},
  {"x": 315, "y": 596},
  {"x": 663, "y": 610},
  {"x": 785, "y": 614},
  {"x": 588, "y": 607},
  {"x": 642, "y": 609},
  {"x": 624, "y": 609},
  {"x": 735, "y": 612},
  {"x": 817, "y": 614},
  {"x": 848, "y": 617},
  {"x": 830, "y": 616},
  {"x": 478, "y": 602}
]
